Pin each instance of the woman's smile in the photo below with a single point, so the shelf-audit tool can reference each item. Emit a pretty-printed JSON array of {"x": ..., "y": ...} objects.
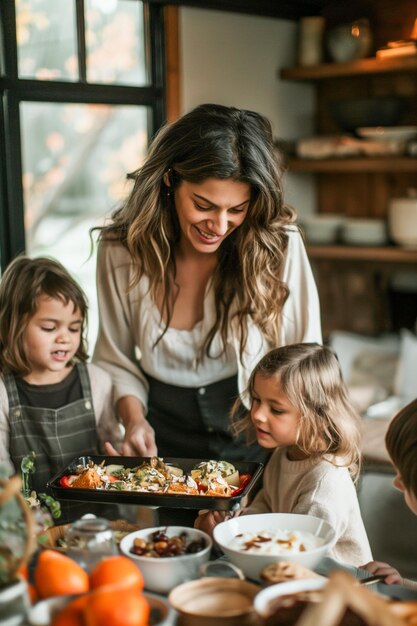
[
  {"x": 207, "y": 237},
  {"x": 210, "y": 211}
]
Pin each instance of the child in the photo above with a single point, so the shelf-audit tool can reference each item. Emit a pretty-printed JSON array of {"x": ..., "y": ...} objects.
[
  {"x": 401, "y": 443},
  {"x": 299, "y": 405},
  {"x": 51, "y": 400}
]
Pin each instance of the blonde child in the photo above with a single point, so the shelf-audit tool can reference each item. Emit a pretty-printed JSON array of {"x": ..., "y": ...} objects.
[
  {"x": 401, "y": 443},
  {"x": 51, "y": 400},
  {"x": 300, "y": 407}
]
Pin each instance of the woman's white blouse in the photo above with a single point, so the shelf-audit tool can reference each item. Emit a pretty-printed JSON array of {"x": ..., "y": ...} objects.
[{"x": 130, "y": 325}]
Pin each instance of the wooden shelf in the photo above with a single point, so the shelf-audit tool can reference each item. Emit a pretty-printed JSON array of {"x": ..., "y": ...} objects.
[
  {"x": 367, "y": 164},
  {"x": 385, "y": 254},
  {"x": 353, "y": 68}
]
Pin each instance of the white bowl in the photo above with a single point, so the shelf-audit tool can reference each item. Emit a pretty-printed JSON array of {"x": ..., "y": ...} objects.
[
  {"x": 323, "y": 228},
  {"x": 164, "y": 573},
  {"x": 43, "y": 612},
  {"x": 252, "y": 564},
  {"x": 364, "y": 231},
  {"x": 266, "y": 598}
]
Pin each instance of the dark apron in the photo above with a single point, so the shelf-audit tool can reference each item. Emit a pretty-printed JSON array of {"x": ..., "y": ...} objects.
[
  {"x": 56, "y": 437},
  {"x": 194, "y": 422}
]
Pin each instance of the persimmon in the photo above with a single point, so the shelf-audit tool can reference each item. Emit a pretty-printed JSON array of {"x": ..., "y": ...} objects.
[
  {"x": 57, "y": 575},
  {"x": 118, "y": 570},
  {"x": 115, "y": 606},
  {"x": 72, "y": 614}
]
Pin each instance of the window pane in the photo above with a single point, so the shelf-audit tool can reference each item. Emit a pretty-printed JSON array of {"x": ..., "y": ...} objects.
[
  {"x": 46, "y": 39},
  {"x": 115, "y": 42},
  {"x": 75, "y": 161}
]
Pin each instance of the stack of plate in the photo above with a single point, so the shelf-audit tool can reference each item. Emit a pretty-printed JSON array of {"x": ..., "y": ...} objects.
[
  {"x": 364, "y": 232},
  {"x": 387, "y": 133},
  {"x": 323, "y": 228}
]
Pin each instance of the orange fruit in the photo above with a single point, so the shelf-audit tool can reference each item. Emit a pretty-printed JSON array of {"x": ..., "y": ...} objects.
[
  {"x": 57, "y": 575},
  {"x": 72, "y": 614},
  {"x": 118, "y": 570},
  {"x": 113, "y": 606}
]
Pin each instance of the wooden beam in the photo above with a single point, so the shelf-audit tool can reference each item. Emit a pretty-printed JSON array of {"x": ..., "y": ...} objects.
[{"x": 173, "y": 77}]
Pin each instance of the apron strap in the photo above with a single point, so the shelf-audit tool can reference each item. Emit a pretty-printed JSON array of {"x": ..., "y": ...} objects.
[{"x": 11, "y": 388}]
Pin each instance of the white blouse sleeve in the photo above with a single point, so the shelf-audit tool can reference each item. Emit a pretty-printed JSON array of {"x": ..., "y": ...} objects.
[
  {"x": 116, "y": 346},
  {"x": 108, "y": 428},
  {"x": 301, "y": 321}
]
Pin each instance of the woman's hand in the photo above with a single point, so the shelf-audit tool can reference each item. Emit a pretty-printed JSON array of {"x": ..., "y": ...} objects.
[
  {"x": 377, "y": 568},
  {"x": 139, "y": 439}
]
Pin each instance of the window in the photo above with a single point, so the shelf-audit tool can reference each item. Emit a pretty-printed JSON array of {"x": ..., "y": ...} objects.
[{"x": 83, "y": 89}]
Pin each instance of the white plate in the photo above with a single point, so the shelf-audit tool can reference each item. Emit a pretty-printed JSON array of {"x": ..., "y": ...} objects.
[
  {"x": 42, "y": 613},
  {"x": 387, "y": 133}
]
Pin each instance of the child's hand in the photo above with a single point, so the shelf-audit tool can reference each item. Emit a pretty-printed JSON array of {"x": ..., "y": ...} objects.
[
  {"x": 377, "y": 568},
  {"x": 207, "y": 520}
]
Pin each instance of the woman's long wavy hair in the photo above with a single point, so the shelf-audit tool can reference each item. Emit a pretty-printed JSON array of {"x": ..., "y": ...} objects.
[
  {"x": 212, "y": 141},
  {"x": 23, "y": 281},
  {"x": 310, "y": 377}
]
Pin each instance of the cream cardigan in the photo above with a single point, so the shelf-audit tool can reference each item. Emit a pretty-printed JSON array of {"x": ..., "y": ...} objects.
[
  {"x": 321, "y": 489},
  {"x": 129, "y": 326}
]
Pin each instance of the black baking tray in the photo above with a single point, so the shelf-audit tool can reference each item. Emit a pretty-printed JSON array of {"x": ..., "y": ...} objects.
[{"x": 179, "y": 501}]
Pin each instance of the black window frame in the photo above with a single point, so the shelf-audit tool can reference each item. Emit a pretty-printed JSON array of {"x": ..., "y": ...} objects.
[{"x": 14, "y": 90}]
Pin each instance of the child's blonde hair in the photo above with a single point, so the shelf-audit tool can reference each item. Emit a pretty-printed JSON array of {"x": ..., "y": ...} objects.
[
  {"x": 401, "y": 442},
  {"x": 310, "y": 376},
  {"x": 23, "y": 281}
]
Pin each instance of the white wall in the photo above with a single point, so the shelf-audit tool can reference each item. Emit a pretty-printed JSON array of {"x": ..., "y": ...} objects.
[{"x": 234, "y": 59}]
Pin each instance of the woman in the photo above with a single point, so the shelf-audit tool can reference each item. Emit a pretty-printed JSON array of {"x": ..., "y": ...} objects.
[{"x": 200, "y": 273}]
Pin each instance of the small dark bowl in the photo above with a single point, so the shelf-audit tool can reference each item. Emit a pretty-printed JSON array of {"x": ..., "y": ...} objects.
[{"x": 355, "y": 113}]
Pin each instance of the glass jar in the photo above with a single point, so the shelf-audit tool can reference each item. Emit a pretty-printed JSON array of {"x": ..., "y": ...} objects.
[{"x": 89, "y": 540}]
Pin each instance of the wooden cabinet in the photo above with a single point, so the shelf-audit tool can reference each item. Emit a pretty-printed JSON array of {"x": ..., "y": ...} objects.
[{"x": 355, "y": 283}]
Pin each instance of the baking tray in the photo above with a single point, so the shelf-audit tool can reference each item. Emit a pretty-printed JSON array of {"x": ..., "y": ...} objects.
[{"x": 178, "y": 501}]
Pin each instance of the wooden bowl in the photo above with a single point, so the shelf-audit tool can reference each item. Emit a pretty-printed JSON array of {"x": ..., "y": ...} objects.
[{"x": 210, "y": 601}]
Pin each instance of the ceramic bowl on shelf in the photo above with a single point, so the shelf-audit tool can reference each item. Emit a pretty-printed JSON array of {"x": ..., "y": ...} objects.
[
  {"x": 387, "y": 133},
  {"x": 322, "y": 228},
  {"x": 352, "y": 113},
  {"x": 359, "y": 231},
  {"x": 402, "y": 219},
  {"x": 244, "y": 527},
  {"x": 350, "y": 41}
]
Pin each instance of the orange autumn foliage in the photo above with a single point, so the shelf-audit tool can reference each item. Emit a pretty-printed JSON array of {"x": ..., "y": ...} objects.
[
  {"x": 56, "y": 575},
  {"x": 116, "y": 570}
]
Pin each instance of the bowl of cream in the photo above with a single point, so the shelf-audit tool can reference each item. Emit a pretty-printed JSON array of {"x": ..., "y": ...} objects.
[{"x": 251, "y": 542}]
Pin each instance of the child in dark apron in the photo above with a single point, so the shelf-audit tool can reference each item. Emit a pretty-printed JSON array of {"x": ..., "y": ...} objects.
[{"x": 51, "y": 401}]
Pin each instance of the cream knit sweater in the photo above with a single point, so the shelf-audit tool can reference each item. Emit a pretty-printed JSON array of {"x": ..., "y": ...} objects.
[{"x": 318, "y": 488}]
